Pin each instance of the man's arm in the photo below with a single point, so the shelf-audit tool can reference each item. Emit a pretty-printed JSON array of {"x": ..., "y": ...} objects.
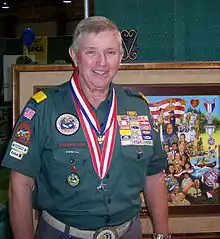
[
  {"x": 20, "y": 206},
  {"x": 156, "y": 200}
]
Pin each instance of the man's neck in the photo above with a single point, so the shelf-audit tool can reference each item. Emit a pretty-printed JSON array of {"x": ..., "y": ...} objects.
[{"x": 95, "y": 97}]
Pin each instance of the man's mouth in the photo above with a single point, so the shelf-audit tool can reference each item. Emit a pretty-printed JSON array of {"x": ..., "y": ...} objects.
[{"x": 101, "y": 73}]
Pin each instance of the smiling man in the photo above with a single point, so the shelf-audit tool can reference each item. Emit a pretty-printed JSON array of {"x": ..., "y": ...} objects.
[{"x": 91, "y": 148}]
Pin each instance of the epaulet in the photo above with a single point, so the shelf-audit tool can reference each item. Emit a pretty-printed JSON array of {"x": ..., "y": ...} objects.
[
  {"x": 143, "y": 97},
  {"x": 39, "y": 96},
  {"x": 137, "y": 94},
  {"x": 132, "y": 93}
]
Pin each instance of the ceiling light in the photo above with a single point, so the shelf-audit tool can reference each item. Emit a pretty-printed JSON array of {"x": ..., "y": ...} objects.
[
  {"x": 67, "y": 1},
  {"x": 5, "y": 6}
]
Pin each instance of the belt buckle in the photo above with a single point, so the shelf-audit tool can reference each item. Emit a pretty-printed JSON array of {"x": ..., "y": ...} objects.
[{"x": 106, "y": 233}]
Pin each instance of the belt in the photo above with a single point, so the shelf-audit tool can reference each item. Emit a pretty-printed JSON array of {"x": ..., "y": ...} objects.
[{"x": 109, "y": 232}]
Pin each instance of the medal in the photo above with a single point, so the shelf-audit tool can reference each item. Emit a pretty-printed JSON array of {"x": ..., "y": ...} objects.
[
  {"x": 94, "y": 134},
  {"x": 73, "y": 179},
  {"x": 100, "y": 139},
  {"x": 102, "y": 186}
]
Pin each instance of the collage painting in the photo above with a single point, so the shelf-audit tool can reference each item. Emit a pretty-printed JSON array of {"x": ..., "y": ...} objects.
[{"x": 189, "y": 128}]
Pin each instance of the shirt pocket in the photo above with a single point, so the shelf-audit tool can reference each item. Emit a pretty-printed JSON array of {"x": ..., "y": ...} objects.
[
  {"x": 136, "y": 159},
  {"x": 73, "y": 159}
]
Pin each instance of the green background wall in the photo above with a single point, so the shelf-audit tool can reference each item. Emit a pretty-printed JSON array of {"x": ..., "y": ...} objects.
[{"x": 169, "y": 30}]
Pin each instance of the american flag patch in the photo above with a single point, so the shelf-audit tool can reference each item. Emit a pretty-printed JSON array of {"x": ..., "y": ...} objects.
[{"x": 29, "y": 113}]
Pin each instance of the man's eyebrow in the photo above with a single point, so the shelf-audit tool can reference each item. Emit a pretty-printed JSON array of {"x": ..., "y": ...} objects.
[{"x": 90, "y": 47}]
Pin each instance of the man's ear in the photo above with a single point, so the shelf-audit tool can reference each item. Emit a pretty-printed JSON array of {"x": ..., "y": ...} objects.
[
  {"x": 73, "y": 55},
  {"x": 122, "y": 54}
]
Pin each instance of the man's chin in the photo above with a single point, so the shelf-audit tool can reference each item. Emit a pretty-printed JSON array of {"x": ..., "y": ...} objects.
[{"x": 102, "y": 84}]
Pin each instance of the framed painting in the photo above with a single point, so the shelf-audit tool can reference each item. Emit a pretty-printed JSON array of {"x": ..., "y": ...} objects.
[
  {"x": 188, "y": 121},
  {"x": 190, "y": 90}
]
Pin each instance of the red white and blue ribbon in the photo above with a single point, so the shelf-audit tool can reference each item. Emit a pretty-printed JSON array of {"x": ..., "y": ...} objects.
[{"x": 91, "y": 127}]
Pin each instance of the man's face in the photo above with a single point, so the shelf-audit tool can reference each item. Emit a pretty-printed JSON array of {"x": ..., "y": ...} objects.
[
  {"x": 177, "y": 156},
  {"x": 176, "y": 189},
  {"x": 182, "y": 138},
  {"x": 181, "y": 148},
  {"x": 97, "y": 58},
  {"x": 166, "y": 148},
  {"x": 172, "y": 196},
  {"x": 174, "y": 146},
  {"x": 169, "y": 128},
  {"x": 181, "y": 196},
  {"x": 171, "y": 168},
  {"x": 197, "y": 183}
]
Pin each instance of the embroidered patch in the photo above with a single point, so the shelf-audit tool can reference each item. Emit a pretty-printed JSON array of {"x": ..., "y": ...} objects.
[
  {"x": 73, "y": 179},
  {"x": 131, "y": 113},
  {"x": 39, "y": 96},
  {"x": 23, "y": 133},
  {"x": 139, "y": 132},
  {"x": 29, "y": 113},
  {"x": 125, "y": 132},
  {"x": 122, "y": 117},
  {"x": 123, "y": 123},
  {"x": 148, "y": 142},
  {"x": 19, "y": 147},
  {"x": 67, "y": 124},
  {"x": 16, "y": 154}
]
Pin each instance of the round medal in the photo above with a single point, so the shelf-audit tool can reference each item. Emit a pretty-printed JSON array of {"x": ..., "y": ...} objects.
[
  {"x": 211, "y": 141},
  {"x": 67, "y": 124},
  {"x": 73, "y": 179}
]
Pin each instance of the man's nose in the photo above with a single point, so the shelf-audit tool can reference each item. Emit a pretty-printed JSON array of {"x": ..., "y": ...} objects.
[{"x": 102, "y": 59}]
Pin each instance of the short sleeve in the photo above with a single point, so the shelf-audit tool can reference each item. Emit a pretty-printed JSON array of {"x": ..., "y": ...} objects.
[
  {"x": 24, "y": 149},
  {"x": 158, "y": 161}
]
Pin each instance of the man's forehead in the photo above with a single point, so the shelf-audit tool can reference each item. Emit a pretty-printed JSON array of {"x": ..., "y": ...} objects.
[
  {"x": 92, "y": 38},
  {"x": 95, "y": 33}
]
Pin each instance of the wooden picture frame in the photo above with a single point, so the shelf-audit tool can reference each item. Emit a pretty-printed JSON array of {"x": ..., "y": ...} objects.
[{"x": 188, "y": 78}]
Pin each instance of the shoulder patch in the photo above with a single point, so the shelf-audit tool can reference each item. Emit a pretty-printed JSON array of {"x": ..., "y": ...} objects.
[{"x": 39, "y": 96}]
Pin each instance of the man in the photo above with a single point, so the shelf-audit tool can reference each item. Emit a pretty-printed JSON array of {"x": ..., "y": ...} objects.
[
  {"x": 86, "y": 149},
  {"x": 173, "y": 120},
  {"x": 182, "y": 140},
  {"x": 160, "y": 121},
  {"x": 169, "y": 136}
]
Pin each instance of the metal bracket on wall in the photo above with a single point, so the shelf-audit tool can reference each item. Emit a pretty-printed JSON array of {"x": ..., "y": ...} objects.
[{"x": 129, "y": 42}]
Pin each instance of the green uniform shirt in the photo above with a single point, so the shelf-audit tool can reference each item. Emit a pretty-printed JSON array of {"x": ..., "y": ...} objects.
[{"x": 49, "y": 145}]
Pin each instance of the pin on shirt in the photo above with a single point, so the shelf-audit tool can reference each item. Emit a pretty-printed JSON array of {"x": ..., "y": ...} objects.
[
  {"x": 139, "y": 152},
  {"x": 73, "y": 178},
  {"x": 74, "y": 168}
]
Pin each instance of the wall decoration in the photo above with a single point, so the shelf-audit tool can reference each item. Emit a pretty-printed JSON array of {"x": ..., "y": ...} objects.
[
  {"x": 190, "y": 134},
  {"x": 129, "y": 41}
]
